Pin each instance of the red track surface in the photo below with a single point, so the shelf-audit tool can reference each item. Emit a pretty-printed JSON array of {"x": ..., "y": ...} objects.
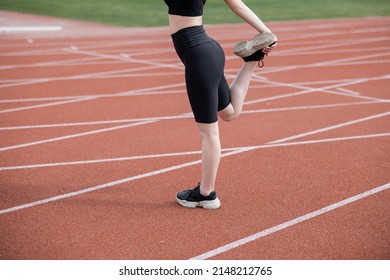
[{"x": 96, "y": 140}]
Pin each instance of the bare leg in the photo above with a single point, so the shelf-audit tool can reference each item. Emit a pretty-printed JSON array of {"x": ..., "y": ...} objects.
[
  {"x": 211, "y": 154},
  {"x": 211, "y": 147},
  {"x": 239, "y": 89}
]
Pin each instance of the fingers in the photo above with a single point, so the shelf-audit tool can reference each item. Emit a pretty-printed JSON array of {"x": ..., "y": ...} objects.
[{"x": 269, "y": 49}]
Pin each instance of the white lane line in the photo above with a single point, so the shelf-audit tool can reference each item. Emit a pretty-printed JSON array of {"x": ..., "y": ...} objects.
[
  {"x": 110, "y": 184},
  {"x": 347, "y": 51},
  {"x": 103, "y": 186},
  {"x": 174, "y": 117},
  {"x": 185, "y": 115},
  {"x": 265, "y": 146},
  {"x": 94, "y": 75},
  {"x": 97, "y": 96},
  {"x": 94, "y": 97},
  {"x": 326, "y": 89},
  {"x": 73, "y": 136},
  {"x": 44, "y": 105},
  {"x": 58, "y": 47},
  {"x": 9, "y": 29},
  {"x": 99, "y": 187},
  {"x": 56, "y": 164},
  {"x": 345, "y": 61},
  {"x": 127, "y": 73},
  {"x": 308, "y": 90},
  {"x": 290, "y": 223},
  {"x": 325, "y": 63},
  {"x": 331, "y": 127},
  {"x": 279, "y": 109},
  {"x": 156, "y": 65},
  {"x": 326, "y": 47},
  {"x": 93, "y": 132},
  {"x": 67, "y": 62},
  {"x": 348, "y": 91},
  {"x": 115, "y": 57},
  {"x": 146, "y": 91},
  {"x": 311, "y": 107},
  {"x": 269, "y": 84}
]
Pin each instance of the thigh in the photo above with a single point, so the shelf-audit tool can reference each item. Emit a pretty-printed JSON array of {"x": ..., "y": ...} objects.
[
  {"x": 224, "y": 95},
  {"x": 204, "y": 69}
]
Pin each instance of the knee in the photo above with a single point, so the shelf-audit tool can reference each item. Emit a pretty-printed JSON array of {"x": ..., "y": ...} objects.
[
  {"x": 228, "y": 115},
  {"x": 209, "y": 135},
  {"x": 209, "y": 132},
  {"x": 229, "y": 118}
]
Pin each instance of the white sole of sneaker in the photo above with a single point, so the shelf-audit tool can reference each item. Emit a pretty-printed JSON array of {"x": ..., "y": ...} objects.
[
  {"x": 247, "y": 48},
  {"x": 206, "y": 204}
]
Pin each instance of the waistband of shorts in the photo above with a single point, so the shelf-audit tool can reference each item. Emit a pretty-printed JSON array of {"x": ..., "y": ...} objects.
[{"x": 189, "y": 37}]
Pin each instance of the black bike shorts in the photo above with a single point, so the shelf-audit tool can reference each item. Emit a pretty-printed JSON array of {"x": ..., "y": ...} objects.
[{"x": 204, "y": 61}]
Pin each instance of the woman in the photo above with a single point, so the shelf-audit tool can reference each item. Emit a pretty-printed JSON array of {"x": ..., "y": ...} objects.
[{"x": 208, "y": 91}]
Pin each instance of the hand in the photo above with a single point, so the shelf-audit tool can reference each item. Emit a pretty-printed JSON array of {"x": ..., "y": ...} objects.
[{"x": 269, "y": 49}]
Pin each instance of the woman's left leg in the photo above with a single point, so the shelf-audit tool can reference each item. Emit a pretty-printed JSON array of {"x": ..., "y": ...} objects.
[{"x": 238, "y": 91}]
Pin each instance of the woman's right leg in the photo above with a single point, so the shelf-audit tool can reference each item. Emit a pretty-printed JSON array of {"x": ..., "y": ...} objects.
[
  {"x": 211, "y": 154},
  {"x": 204, "y": 194},
  {"x": 239, "y": 89}
]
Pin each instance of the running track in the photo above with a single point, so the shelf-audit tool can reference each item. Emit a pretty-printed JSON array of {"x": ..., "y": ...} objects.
[{"x": 97, "y": 137}]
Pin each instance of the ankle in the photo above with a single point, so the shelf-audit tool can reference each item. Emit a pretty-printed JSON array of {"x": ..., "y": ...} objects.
[
  {"x": 256, "y": 56},
  {"x": 250, "y": 63},
  {"x": 205, "y": 191}
]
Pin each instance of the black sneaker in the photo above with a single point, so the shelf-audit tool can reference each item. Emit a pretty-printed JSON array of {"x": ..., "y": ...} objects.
[
  {"x": 257, "y": 56},
  {"x": 252, "y": 50},
  {"x": 193, "y": 198},
  {"x": 260, "y": 41}
]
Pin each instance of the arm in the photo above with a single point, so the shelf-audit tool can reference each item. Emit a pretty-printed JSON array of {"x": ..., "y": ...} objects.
[{"x": 242, "y": 10}]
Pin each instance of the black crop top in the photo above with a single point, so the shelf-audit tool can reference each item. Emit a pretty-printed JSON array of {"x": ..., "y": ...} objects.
[{"x": 189, "y": 8}]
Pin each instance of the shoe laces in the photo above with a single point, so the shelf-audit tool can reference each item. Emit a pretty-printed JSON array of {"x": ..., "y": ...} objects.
[{"x": 195, "y": 191}]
